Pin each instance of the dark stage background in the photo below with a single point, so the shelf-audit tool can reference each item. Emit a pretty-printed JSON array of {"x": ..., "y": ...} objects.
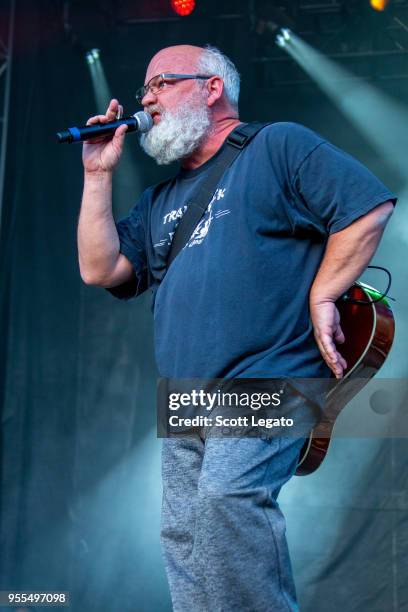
[{"x": 80, "y": 479}]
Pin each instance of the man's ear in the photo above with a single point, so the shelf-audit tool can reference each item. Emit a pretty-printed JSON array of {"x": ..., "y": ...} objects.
[{"x": 215, "y": 88}]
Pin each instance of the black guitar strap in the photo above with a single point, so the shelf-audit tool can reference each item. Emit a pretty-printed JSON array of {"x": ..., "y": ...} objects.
[{"x": 196, "y": 207}]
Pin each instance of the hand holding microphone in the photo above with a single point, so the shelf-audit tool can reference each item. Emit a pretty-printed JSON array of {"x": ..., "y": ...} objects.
[{"x": 103, "y": 136}]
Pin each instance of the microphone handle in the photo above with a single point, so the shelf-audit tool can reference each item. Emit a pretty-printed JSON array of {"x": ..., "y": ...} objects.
[{"x": 87, "y": 132}]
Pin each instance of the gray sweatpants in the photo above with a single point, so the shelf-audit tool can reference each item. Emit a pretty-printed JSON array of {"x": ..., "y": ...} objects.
[{"x": 223, "y": 534}]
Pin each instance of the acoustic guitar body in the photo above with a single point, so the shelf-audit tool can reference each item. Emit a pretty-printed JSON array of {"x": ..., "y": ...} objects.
[{"x": 369, "y": 333}]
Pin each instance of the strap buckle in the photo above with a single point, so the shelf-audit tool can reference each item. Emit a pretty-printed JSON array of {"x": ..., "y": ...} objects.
[{"x": 237, "y": 139}]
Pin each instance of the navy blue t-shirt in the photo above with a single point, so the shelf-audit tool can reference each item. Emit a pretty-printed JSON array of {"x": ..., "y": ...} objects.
[{"x": 234, "y": 302}]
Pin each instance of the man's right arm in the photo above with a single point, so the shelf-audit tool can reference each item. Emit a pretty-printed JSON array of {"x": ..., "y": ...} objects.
[{"x": 100, "y": 260}]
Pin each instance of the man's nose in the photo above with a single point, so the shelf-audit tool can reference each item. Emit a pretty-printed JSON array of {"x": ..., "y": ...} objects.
[{"x": 149, "y": 98}]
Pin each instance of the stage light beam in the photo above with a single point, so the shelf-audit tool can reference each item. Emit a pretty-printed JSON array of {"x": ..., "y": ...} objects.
[
  {"x": 92, "y": 56},
  {"x": 126, "y": 182},
  {"x": 382, "y": 120},
  {"x": 280, "y": 41},
  {"x": 283, "y": 37}
]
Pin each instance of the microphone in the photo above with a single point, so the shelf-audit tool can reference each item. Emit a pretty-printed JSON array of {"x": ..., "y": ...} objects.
[{"x": 139, "y": 122}]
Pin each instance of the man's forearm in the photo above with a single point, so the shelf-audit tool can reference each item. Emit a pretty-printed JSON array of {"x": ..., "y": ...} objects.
[
  {"x": 348, "y": 253},
  {"x": 98, "y": 242}
]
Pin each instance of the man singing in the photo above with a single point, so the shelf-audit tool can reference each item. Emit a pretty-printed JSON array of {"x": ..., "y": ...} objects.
[{"x": 292, "y": 224}]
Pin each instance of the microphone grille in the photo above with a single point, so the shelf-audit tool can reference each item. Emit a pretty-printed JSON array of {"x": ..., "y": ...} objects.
[{"x": 144, "y": 121}]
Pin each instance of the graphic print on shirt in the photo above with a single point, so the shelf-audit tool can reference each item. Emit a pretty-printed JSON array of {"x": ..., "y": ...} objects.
[
  {"x": 203, "y": 226},
  {"x": 170, "y": 217}
]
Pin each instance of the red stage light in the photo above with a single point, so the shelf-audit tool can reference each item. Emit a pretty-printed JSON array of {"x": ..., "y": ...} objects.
[
  {"x": 183, "y": 7},
  {"x": 379, "y": 5}
]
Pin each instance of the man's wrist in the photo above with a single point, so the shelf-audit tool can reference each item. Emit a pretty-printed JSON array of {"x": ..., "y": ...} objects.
[
  {"x": 98, "y": 176},
  {"x": 317, "y": 297}
]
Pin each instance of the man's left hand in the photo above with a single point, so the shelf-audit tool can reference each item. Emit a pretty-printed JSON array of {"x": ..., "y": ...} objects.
[{"x": 326, "y": 325}]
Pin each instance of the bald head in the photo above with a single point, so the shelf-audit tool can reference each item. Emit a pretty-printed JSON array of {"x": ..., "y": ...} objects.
[{"x": 180, "y": 58}]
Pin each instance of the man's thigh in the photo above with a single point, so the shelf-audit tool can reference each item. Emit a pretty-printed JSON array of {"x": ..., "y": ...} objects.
[
  {"x": 234, "y": 465},
  {"x": 182, "y": 459}
]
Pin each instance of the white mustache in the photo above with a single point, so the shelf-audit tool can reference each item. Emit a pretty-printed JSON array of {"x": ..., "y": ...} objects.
[{"x": 156, "y": 108}]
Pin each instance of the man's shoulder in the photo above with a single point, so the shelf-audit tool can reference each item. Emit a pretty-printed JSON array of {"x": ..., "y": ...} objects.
[
  {"x": 291, "y": 132},
  {"x": 287, "y": 144}
]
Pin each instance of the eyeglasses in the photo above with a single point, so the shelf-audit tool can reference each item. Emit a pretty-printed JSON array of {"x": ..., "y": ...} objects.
[{"x": 158, "y": 82}]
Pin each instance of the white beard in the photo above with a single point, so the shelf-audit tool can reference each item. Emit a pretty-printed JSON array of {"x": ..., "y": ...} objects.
[{"x": 178, "y": 133}]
